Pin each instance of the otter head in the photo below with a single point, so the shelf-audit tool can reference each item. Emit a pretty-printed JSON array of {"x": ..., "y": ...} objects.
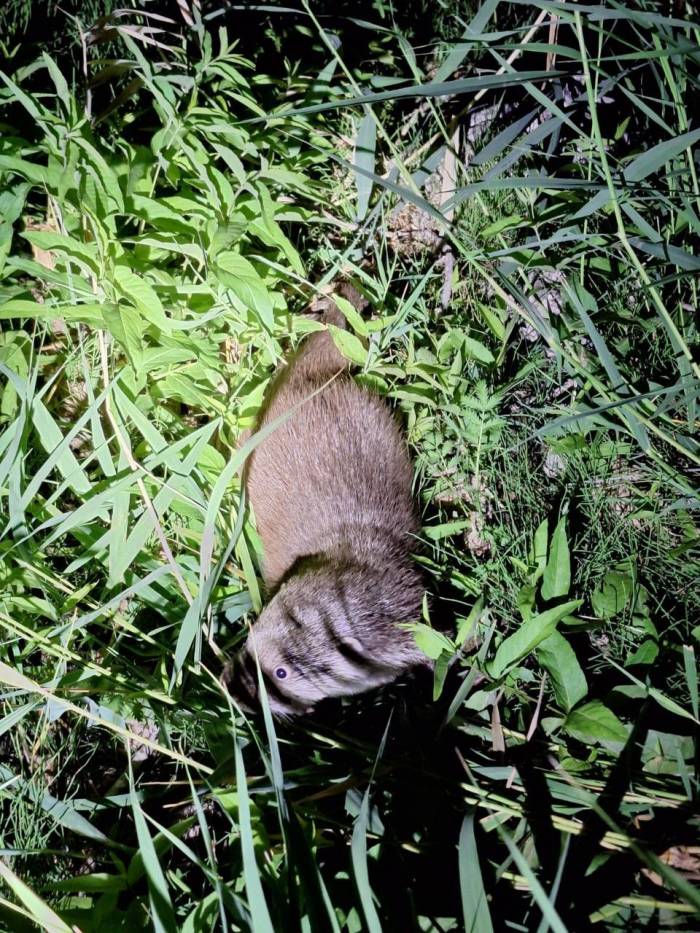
[{"x": 330, "y": 630}]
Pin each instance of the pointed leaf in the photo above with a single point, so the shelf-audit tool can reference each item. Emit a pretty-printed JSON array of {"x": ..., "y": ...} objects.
[
  {"x": 241, "y": 277},
  {"x": 594, "y": 722},
  {"x": 528, "y": 636},
  {"x": 557, "y": 573},
  {"x": 475, "y": 906},
  {"x": 365, "y": 146},
  {"x": 558, "y": 658},
  {"x": 349, "y": 345}
]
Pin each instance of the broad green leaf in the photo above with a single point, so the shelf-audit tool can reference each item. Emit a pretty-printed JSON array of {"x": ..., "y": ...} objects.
[
  {"x": 137, "y": 290},
  {"x": 503, "y": 223},
  {"x": 19, "y": 307},
  {"x": 610, "y": 599},
  {"x": 525, "y": 600},
  {"x": 231, "y": 232},
  {"x": 37, "y": 174},
  {"x": 90, "y": 314},
  {"x": 595, "y": 723},
  {"x": 193, "y": 209},
  {"x": 557, "y": 573},
  {"x": 64, "y": 812},
  {"x": 84, "y": 253},
  {"x": 558, "y": 658},
  {"x": 431, "y": 642},
  {"x": 655, "y": 694},
  {"x": 467, "y": 627},
  {"x": 349, "y": 345},
  {"x": 528, "y": 636},
  {"x": 191, "y": 250},
  {"x": 269, "y": 231},
  {"x": 240, "y": 276},
  {"x": 125, "y": 324},
  {"x": 351, "y": 315},
  {"x": 644, "y": 654},
  {"x": 63, "y": 94},
  {"x": 160, "y": 358},
  {"x": 450, "y": 341},
  {"x": 442, "y": 666},
  {"x": 476, "y": 350},
  {"x": 73, "y": 283},
  {"x": 13, "y": 199},
  {"x": 493, "y": 319},
  {"x": 103, "y": 173},
  {"x": 538, "y": 554},
  {"x": 183, "y": 386},
  {"x": 155, "y": 212},
  {"x": 97, "y": 882},
  {"x": 671, "y": 705}
]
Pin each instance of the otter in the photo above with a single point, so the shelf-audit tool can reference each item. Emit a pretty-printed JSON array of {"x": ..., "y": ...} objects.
[{"x": 331, "y": 492}]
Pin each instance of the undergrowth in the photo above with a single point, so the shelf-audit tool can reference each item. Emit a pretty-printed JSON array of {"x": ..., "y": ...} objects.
[{"x": 514, "y": 191}]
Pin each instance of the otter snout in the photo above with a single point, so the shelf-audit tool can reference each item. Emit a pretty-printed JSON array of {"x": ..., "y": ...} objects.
[
  {"x": 241, "y": 682},
  {"x": 240, "y": 677}
]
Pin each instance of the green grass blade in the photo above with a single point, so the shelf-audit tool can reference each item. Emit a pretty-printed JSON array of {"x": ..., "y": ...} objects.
[
  {"x": 365, "y": 147},
  {"x": 475, "y": 908},
  {"x": 162, "y": 911},
  {"x": 37, "y": 909},
  {"x": 358, "y": 849},
  {"x": 691, "y": 678},
  {"x": 543, "y": 901},
  {"x": 260, "y": 915}
]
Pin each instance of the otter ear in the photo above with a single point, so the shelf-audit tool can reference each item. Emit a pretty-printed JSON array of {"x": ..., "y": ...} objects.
[{"x": 354, "y": 644}]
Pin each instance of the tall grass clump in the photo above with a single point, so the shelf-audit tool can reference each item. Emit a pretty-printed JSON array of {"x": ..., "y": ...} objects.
[{"x": 514, "y": 189}]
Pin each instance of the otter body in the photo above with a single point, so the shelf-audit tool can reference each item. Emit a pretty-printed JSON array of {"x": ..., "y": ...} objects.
[{"x": 331, "y": 494}]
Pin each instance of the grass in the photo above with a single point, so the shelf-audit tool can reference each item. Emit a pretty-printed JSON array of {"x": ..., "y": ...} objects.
[{"x": 514, "y": 189}]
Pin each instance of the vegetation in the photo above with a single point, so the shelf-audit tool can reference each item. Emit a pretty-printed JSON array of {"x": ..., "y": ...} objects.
[{"x": 514, "y": 189}]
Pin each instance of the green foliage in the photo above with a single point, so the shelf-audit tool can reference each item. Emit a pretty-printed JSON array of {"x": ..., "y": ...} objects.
[{"x": 515, "y": 192}]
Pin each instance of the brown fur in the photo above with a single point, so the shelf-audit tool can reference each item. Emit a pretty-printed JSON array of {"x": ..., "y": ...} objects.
[{"x": 331, "y": 492}]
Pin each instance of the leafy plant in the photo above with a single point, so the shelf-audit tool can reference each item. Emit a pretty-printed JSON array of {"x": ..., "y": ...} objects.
[{"x": 514, "y": 190}]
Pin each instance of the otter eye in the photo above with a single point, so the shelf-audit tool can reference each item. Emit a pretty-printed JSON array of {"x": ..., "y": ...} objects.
[{"x": 281, "y": 673}]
